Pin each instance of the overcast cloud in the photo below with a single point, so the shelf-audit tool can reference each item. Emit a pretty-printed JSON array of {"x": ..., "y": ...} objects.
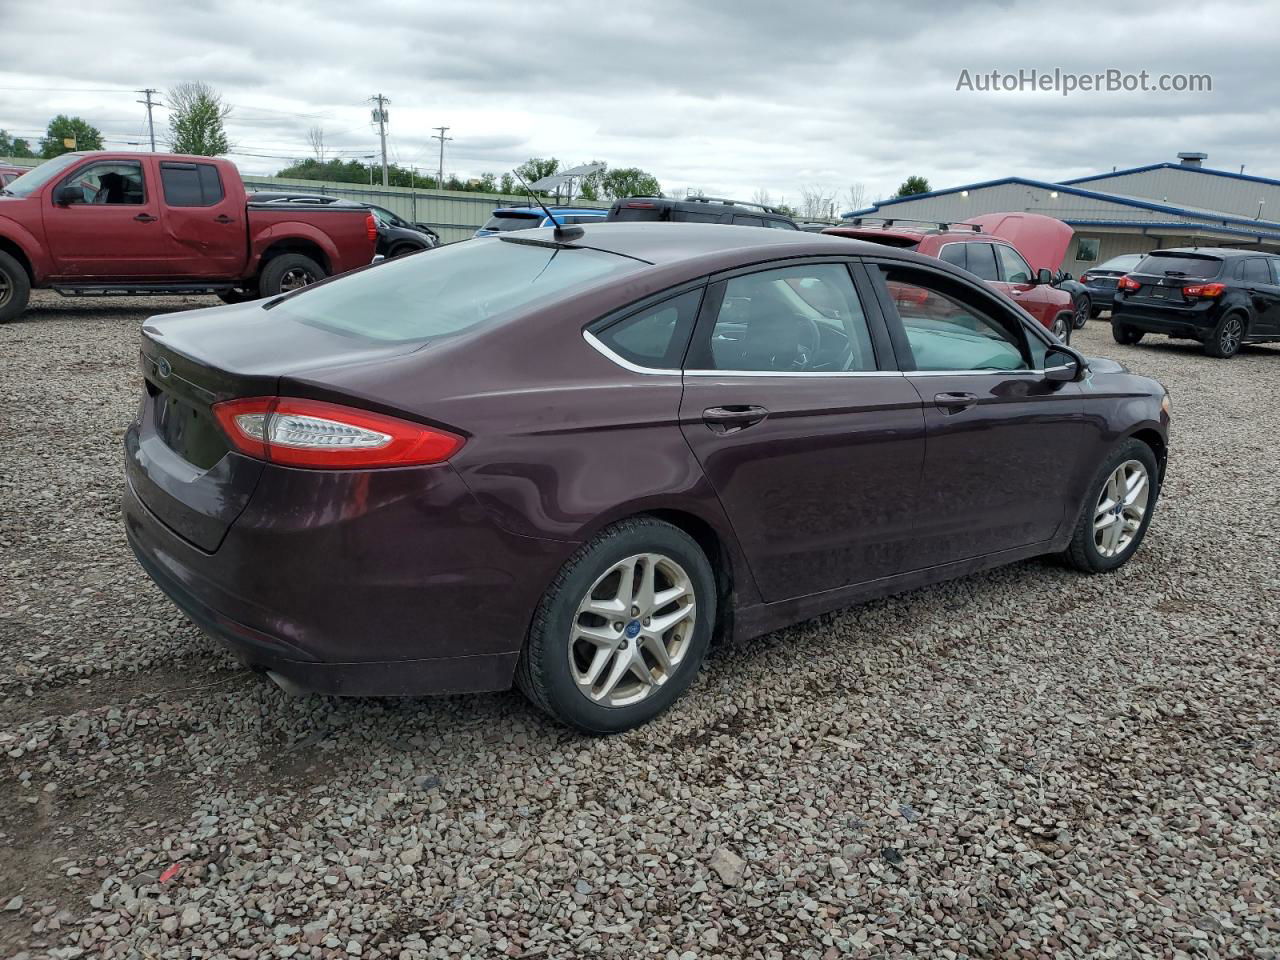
[{"x": 729, "y": 97}]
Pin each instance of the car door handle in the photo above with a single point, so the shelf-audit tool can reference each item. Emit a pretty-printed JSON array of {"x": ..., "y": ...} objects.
[
  {"x": 732, "y": 418},
  {"x": 223, "y": 218},
  {"x": 145, "y": 218},
  {"x": 950, "y": 403}
]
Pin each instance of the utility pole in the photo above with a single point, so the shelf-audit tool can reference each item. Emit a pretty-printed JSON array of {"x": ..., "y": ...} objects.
[
  {"x": 380, "y": 114},
  {"x": 150, "y": 123},
  {"x": 442, "y": 138}
]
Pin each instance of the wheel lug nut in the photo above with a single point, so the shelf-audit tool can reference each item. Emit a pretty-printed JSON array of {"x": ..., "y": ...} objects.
[
  {"x": 618, "y": 626},
  {"x": 635, "y": 611},
  {"x": 645, "y": 621}
]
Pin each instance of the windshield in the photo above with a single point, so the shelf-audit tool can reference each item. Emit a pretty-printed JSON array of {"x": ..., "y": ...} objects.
[
  {"x": 458, "y": 287},
  {"x": 386, "y": 216},
  {"x": 29, "y": 183},
  {"x": 1180, "y": 265}
]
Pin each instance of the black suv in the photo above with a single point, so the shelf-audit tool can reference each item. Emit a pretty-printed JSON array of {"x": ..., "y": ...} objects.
[
  {"x": 700, "y": 210},
  {"x": 1221, "y": 297}
]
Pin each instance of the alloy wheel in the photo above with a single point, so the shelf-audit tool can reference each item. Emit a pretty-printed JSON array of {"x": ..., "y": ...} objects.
[
  {"x": 632, "y": 630},
  {"x": 1121, "y": 507},
  {"x": 1229, "y": 339},
  {"x": 6, "y": 289},
  {"x": 295, "y": 279},
  {"x": 1061, "y": 328},
  {"x": 1081, "y": 315}
]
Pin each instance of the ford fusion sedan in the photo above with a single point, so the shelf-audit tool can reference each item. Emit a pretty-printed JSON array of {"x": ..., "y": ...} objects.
[{"x": 570, "y": 458}]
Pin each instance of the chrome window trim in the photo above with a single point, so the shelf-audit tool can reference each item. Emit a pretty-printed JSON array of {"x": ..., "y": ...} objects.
[
  {"x": 599, "y": 345},
  {"x": 968, "y": 373}
]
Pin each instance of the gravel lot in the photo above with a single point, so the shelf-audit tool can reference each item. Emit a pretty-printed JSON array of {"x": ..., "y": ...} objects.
[{"x": 1025, "y": 763}]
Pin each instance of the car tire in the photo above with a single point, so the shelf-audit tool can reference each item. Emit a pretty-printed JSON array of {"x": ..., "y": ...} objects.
[
  {"x": 1062, "y": 326},
  {"x": 1125, "y": 334},
  {"x": 239, "y": 295},
  {"x": 15, "y": 288},
  {"x": 288, "y": 272},
  {"x": 1227, "y": 337},
  {"x": 1083, "y": 311},
  {"x": 572, "y": 665},
  {"x": 1098, "y": 549},
  {"x": 401, "y": 250}
]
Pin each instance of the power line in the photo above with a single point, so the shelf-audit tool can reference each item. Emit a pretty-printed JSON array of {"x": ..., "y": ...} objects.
[{"x": 151, "y": 126}]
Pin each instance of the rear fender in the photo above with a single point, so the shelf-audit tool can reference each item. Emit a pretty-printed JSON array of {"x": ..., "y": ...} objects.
[{"x": 293, "y": 230}]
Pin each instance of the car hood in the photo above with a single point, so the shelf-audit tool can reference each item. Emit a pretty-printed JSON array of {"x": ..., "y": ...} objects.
[{"x": 1042, "y": 240}]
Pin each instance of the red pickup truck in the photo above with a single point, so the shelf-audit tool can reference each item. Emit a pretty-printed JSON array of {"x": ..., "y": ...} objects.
[{"x": 147, "y": 223}]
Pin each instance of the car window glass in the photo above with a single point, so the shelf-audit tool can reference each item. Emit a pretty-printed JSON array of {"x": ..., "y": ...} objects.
[
  {"x": 780, "y": 224},
  {"x": 1255, "y": 270},
  {"x": 1014, "y": 267},
  {"x": 953, "y": 253},
  {"x": 748, "y": 221},
  {"x": 946, "y": 333},
  {"x": 801, "y": 319},
  {"x": 513, "y": 222},
  {"x": 649, "y": 338},
  {"x": 982, "y": 261},
  {"x": 1275, "y": 271},
  {"x": 190, "y": 184},
  {"x": 695, "y": 216},
  {"x": 110, "y": 182}
]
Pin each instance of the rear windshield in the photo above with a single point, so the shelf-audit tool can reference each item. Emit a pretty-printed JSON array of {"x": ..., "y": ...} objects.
[
  {"x": 513, "y": 221},
  {"x": 451, "y": 289},
  {"x": 1179, "y": 265}
]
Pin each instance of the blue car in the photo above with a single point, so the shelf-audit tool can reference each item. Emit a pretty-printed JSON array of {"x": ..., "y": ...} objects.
[{"x": 506, "y": 219}]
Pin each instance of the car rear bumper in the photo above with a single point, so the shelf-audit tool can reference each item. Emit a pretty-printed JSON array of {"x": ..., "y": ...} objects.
[
  {"x": 396, "y": 584},
  {"x": 1195, "y": 321}
]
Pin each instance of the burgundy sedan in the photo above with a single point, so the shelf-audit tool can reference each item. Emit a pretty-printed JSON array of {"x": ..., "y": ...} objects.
[{"x": 569, "y": 459}]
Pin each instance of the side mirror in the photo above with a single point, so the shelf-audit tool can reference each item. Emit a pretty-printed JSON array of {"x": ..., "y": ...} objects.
[
  {"x": 1044, "y": 276},
  {"x": 1064, "y": 365},
  {"x": 68, "y": 194}
]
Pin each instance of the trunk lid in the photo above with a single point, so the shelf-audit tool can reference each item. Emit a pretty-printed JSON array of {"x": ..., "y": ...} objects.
[{"x": 176, "y": 456}]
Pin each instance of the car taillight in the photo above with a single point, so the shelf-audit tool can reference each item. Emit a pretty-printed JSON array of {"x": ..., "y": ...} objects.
[
  {"x": 1085, "y": 278},
  {"x": 311, "y": 433},
  {"x": 1204, "y": 290},
  {"x": 1128, "y": 283},
  {"x": 371, "y": 227}
]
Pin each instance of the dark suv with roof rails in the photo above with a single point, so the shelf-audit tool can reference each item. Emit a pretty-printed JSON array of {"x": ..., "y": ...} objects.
[
  {"x": 1222, "y": 297},
  {"x": 700, "y": 210}
]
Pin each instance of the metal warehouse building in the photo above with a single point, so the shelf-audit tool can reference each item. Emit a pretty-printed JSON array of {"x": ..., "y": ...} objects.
[{"x": 1127, "y": 211}]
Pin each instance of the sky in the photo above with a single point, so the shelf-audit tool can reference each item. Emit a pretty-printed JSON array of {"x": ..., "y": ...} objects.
[{"x": 731, "y": 97}]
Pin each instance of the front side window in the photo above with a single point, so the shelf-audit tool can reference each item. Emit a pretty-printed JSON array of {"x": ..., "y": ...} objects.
[
  {"x": 1012, "y": 265},
  {"x": 801, "y": 319},
  {"x": 191, "y": 184},
  {"x": 655, "y": 337},
  {"x": 947, "y": 333},
  {"x": 109, "y": 182}
]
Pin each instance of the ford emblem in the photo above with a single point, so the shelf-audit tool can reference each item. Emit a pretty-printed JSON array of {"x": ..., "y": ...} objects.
[{"x": 163, "y": 368}]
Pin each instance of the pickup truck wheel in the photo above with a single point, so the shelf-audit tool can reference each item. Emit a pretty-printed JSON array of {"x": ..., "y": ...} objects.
[
  {"x": 289, "y": 272},
  {"x": 15, "y": 288}
]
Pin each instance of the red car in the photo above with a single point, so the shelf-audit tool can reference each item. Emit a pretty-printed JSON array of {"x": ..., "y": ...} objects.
[
  {"x": 9, "y": 173},
  {"x": 1017, "y": 253},
  {"x": 147, "y": 223}
]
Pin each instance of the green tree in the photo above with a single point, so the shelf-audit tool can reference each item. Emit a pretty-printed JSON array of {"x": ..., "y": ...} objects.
[
  {"x": 14, "y": 146},
  {"x": 629, "y": 182},
  {"x": 63, "y": 128},
  {"x": 196, "y": 118},
  {"x": 507, "y": 184},
  {"x": 912, "y": 186}
]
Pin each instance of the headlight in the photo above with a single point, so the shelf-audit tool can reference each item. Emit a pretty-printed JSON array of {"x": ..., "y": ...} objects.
[{"x": 1165, "y": 405}]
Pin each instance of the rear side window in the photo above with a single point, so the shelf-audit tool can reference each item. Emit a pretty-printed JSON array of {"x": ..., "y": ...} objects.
[
  {"x": 657, "y": 335},
  {"x": 982, "y": 261},
  {"x": 1255, "y": 271},
  {"x": 953, "y": 253},
  {"x": 1180, "y": 265},
  {"x": 515, "y": 221},
  {"x": 191, "y": 184},
  {"x": 781, "y": 224},
  {"x": 458, "y": 287},
  {"x": 748, "y": 221},
  {"x": 695, "y": 216}
]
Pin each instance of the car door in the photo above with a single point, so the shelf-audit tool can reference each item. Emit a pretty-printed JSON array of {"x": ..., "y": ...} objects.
[
  {"x": 1017, "y": 280},
  {"x": 115, "y": 232},
  {"x": 813, "y": 441},
  {"x": 1001, "y": 440},
  {"x": 1264, "y": 294},
  {"x": 206, "y": 227}
]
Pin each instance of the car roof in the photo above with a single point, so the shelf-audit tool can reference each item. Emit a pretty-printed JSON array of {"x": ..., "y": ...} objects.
[
  {"x": 661, "y": 243},
  {"x": 912, "y": 233}
]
